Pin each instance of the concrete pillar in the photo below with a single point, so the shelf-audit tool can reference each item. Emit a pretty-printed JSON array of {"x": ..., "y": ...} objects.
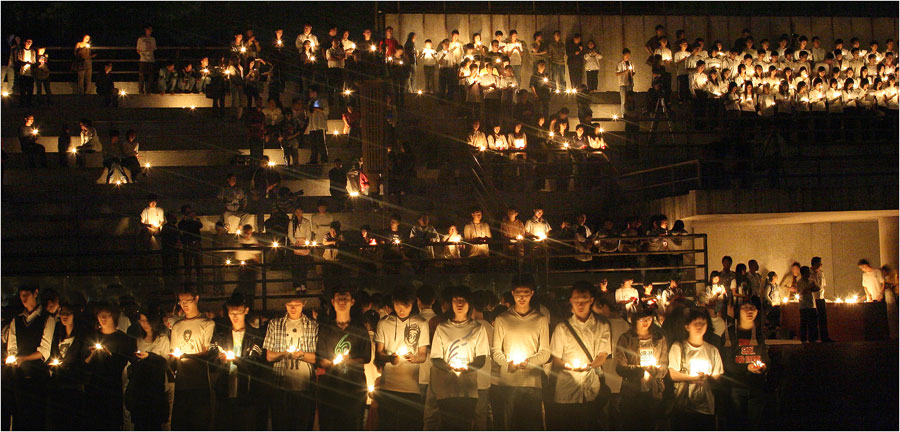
[{"x": 888, "y": 240}]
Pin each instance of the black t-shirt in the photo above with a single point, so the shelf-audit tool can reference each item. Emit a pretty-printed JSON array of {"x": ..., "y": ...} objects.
[
  {"x": 542, "y": 88},
  {"x": 342, "y": 381},
  {"x": 106, "y": 369}
]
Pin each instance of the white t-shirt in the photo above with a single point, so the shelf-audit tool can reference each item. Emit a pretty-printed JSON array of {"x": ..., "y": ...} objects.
[
  {"x": 579, "y": 387},
  {"x": 623, "y": 294},
  {"x": 872, "y": 282},
  {"x": 458, "y": 342},
  {"x": 699, "y": 393},
  {"x": 297, "y": 373},
  {"x": 410, "y": 334}
]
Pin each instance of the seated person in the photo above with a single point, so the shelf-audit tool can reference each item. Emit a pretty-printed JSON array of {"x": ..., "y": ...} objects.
[
  {"x": 168, "y": 79},
  {"x": 188, "y": 79}
]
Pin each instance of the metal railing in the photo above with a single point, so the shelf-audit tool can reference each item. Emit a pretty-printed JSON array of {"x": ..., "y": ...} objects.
[
  {"x": 543, "y": 257},
  {"x": 125, "y": 59}
]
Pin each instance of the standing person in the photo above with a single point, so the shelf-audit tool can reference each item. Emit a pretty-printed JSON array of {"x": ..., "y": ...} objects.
[
  {"x": 556, "y": 54},
  {"x": 146, "y": 45},
  {"x": 343, "y": 349},
  {"x": 191, "y": 242},
  {"x": 83, "y": 65},
  {"x": 746, "y": 360},
  {"x": 540, "y": 88},
  {"x": 575, "y": 60},
  {"x": 299, "y": 235},
  {"x": 412, "y": 57},
  {"x": 806, "y": 290},
  {"x": 337, "y": 179},
  {"x": 625, "y": 77},
  {"x": 592, "y": 59},
  {"x": 401, "y": 345},
  {"x": 290, "y": 344},
  {"x": 641, "y": 360},
  {"x": 818, "y": 277},
  {"x": 693, "y": 363},
  {"x": 872, "y": 281},
  {"x": 190, "y": 342},
  {"x": 241, "y": 357},
  {"x": 579, "y": 348},
  {"x": 106, "y": 357},
  {"x": 151, "y": 384},
  {"x": 459, "y": 350},
  {"x": 628, "y": 297},
  {"x": 521, "y": 346},
  {"x": 66, "y": 389},
  {"x": 28, "y": 344},
  {"x": 42, "y": 76},
  {"x": 317, "y": 127},
  {"x": 477, "y": 232},
  {"x": 26, "y": 59}
]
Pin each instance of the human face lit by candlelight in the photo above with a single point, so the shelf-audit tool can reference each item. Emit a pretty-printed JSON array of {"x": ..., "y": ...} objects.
[
  {"x": 66, "y": 317},
  {"x": 476, "y": 216},
  {"x": 460, "y": 308},
  {"x": 403, "y": 309},
  {"x": 237, "y": 316},
  {"x": 642, "y": 325},
  {"x": 522, "y": 296},
  {"x": 188, "y": 304},
  {"x": 696, "y": 328},
  {"x": 342, "y": 303},
  {"x": 581, "y": 302},
  {"x": 538, "y": 213},
  {"x": 106, "y": 320},
  {"x": 145, "y": 324},
  {"x": 29, "y": 299},
  {"x": 294, "y": 308},
  {"x": 748, "y": 314}
]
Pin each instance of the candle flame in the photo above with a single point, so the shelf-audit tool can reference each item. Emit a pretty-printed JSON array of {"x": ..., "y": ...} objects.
[
  {"x": 371, "y": 388},
  {"x": 648, "y": 361},
  {"x": 306, "y": 243},
  {"x": 347, "y": 92},
  {"x": 338, "y": 359},
  {"x": 228, "y": 261},
  {"x": 271, "y": 163},
  {"x": 35, "y": 131},
  {"x": 54, "y": 362},
  {"x": 123, "y": 93},
  {"x": 575, "y": 364},
  {"x": 354, "y": 194},
  {"x": 5, "y": 94},
  {"x": 335, "y": 132},
  {"x": 853, "y": 299},
  {"x": 785, "y": 299},
  {"x": 517, "y": 357},
  {"x": 396, "y": 241},
  {"x": 177, "y": 352},
  {"x": 229, "y": 355},
  {"x": 314, "y": 243},
  {"x": 372, "y": 48},
  {"x": 699, "y": 366},
  {"x": 615, "y": 117},
  {"x": 11, "y": 359},
  {"x": 419, "y": 92},
  {"x": 274, "y": 244},
  {"x": 292, "y": 348},
  {"x": 402, "y": 351},
  {"x": 243, "y": 262},
  {"x": 541, "y": 236},
  {"x": 838, "y": 300}
]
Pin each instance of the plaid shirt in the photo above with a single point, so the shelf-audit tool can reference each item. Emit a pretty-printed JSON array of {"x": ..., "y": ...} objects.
[{"x": 277, "y": 337}]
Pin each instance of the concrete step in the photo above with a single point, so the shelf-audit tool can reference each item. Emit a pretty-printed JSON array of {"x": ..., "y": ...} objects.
[{"x": 29, "y": 227}]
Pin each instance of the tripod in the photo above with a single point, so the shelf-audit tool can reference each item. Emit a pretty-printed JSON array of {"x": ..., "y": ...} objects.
[{"x": 660, "y": 109}]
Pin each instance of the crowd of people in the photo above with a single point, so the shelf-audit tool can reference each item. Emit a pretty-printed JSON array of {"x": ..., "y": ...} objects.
[{"x": 636, "y": 357}]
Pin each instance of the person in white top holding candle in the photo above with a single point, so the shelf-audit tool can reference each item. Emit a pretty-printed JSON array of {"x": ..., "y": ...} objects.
[
  {"x": 693, "y": 362},
  {"x": 401, "y": 345},
  {"x": 641, "y": 360},
  {"x": 479, "y": 233},
  {"x": 579, "y": 347},
  {"x": 521, "y": 346},
  {"x": 460, "y": 348},
  {"x": 190, "y": 341},
  {"x": 428, "y": 59},
  {"x": 872, "y": 281}
]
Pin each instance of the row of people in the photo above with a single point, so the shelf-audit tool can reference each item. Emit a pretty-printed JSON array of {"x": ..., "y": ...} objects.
[{"x": 471, "y": 366}]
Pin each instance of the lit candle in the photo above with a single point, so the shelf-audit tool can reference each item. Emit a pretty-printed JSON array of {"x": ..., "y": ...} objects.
[
  {"x": 838, "y": 300},
  {"x": 11, "y": 360},
  {"x": 546, "y": 80},
  {"x": 419, "y": 92},
  {"x": 192, "y": 107},
  {"x": 373, "y": 242},
  {"x": 312, "y": 58},
  {"x": 517, "y": 358},
  {"x": 54, "y": 362},
  {"x": 35, "y": 131},
  {"x": 785, "y": 299},
  {"x": 372, "y": 48},
  {"x": 552, "y": 134},
  {"x": 271, "y": 163},
  {"x": 541, "y": 236},
  {"x": 98, "y": 346},
  {"x": 400, "y": 62},
  {"x": 177, "y": 352},
  {"x": 396, "y": 241},
  {"x": 576, "y": 364},
  {"x": 354, "y": 194},
  {"x": 292, "y": 348},
  {"x": 306, "y": 243},
  {"x": 458, "y": 364},
  {"x": 5, "y": 94},
  {"x": 205, "y": 71},
  {"x": 615, "y": 117},
  {"x": 279, "y": 43},
  {"x": 347, "y": 92},
  {"x": 228, "y": 261},
  {"x": 402, "y": 351},
  {"x": 243, "y": 263},
  {"x": 371, "y": 388},
  {"x": 314, "y": 243},
  {"x": 853, "y": 299},
  {"x": 648, "y": 360},
  {"x": 519, "y": 143},
  {"x": 147, "y": 165},
  {"x": 229, "y": 355},
  {"x": 335, "y": 132},
  {"x": 243, "y": 49},
  {"x": 520, "y": 237},
  {"x": 123, "y": 93},
  {"x": 274, "y": 244},
  {"x": 699, "y": 366},
  {"x": 759, "y": 364}
]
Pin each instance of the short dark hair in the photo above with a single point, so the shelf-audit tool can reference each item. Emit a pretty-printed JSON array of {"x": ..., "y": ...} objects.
[
  {"x": 523, "y": 280},
  {"x": 582, "y": 287},
  {"x": 861, "y": 262},
  {"x": 659, "y": 27},
  {"x": 816, "y": 261},
  {"x": 187, "y": 288},
  {"x": 405, "y": 295},
  {"x": 626, "y": 51},
  {"x": 235, "y": 301},
  {"x": 425, "y": 294}
]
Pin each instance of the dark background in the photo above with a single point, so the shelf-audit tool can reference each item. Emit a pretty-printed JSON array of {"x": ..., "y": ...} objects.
[{"x": 213, "y": 23}]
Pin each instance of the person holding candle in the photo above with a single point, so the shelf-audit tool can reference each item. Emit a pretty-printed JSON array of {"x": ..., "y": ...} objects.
[
  {"x": 28, "y": 143},
  {"x": 190, "y": 341},
  {"x": 625, "y": 77},
  {"x": 746, "y": 357},
  {"x": 110, "y": 352},
  {"x": 151, "y": 386},
  {"x": 460, "y": 348},
  {"x": 641, "y": 360},
  {"x": 521, "y": 346},
  {"x": 693, "y": 365},
  {"x": 579, "y": 347},
  {"x": 29, "y": 348},
  {"x": 239, "y": 388},
  {"x": 540, "y": 87},
  {"x": 342, "y": 349},
  {"x": 290, "y": 344},
  {"x": 401, "y": 343},
  {"x": 66, "y": 386},
  {"x": 872, "y": 281},
  {"x": 152, "y": 220}
]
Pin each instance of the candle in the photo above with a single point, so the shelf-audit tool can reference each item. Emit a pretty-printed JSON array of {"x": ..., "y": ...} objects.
[
  {"x": 338, "y": 359},
  {"x": 347, "y": 92},
  {"x": 11, "y": 360},
  {"x": 54, "y": 362},
  {"x": 520, "y": 237},
  {"x": 123, "y": 93},
  {"x": 229, "y": 355},
  {"x": 759, "y": 364},
  {"x": 35, "y": 131},
  {"x": 306, "y": 243},
  {"x": 243, "y": 263},
  {"x": 402, "y": 351},
  {"x": 243, "y": 49},
  {"x": 192, "y": 107},
  {"x": 541, "y": 236},
  {"x": 291, "y": 349},
  {"x": 98, "y": 346},
  {"x": 575, "y": 364},
  {"x": 396, "y": 241},
  {"x": 556, "y": 91},
  {"x": 615, "y": 117},
  {"x": 279, "y": 43},
  {"x": 785, "y": 299},
  {"x": 517, "y": 357},
  {"x": 354, "y": 194},
  {"x": 313, "y": 58},
  {"x": 274, "y": 244},
  {"x": 147, "y": 165},
  {"x": 5, "y": 94},
  {"x": 335, "y": 132},
  {"x": 458, "y": 363},
  {"x": 372, "y": 48},
  {"x": 546, "y": 80},
  {"x": 853, "y": 299},
  {"x": 838, "y": 300},
  {"x": 314, "y": 243},
  {"x": 271, "y": 163},
  {"x": 648, "y": 360},
  {"x": 177, "y": 352},
  {"x": 419, "y": 92},
  {"x": 519, "y": 143},
  {"x": 698, "y": 366},
  {"x": 204, "y": 70},
  {"x": 552, "y": 134},
  {"x": 371, "y": 388}
]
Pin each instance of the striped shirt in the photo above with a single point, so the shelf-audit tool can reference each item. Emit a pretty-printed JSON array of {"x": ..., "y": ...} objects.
[{"x": 278, "y": 340}]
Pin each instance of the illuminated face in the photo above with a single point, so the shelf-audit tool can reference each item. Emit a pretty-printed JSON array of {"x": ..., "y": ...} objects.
[
  {"x": 581, "y": 303},
  {"x": 460, "y": 306},
  {"x": 402, "y": 309},
  {"x": 105, "y": 319},
  {"x": 294, "y": 308},
  {"x": 644, "y": 323},
  {"x": 65, "y": 316},
  {"x": 522, "y": 296},
  {"x": 29, "y": 299},
  {"x": 188, "y": 303},
  {"x": 343, "y": 302},
  {"x": 236, "y": 315},
  {"x": 145, "y": 323},
  {"x": 697, "y": 327},
  {"x": 748, "y": 312}
]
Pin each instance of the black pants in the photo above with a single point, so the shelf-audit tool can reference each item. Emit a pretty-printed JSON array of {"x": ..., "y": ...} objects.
[
  {"x": 316, "y": 142},
  {"x": 191, "y": 410},
  {"x": 447, "y": 83},
  {"x": 746, "y": 409},
  {"x": 457, "y": 413},
  {"x": 235, "y": 414},
  {"x": 822, "y": 318},
  {"x": 30, "y": 392},
  {"x": 400, "y": 411},
  {"x": 293, "y": 410},
  {"x": 66, "y": 408},
  {"x": 340, "y": 409},
  {"x": 522, "y": 408},
  {"x": 575, "y": 416},
  {"x": 25, "y": 83},
  {"x": 592, "y": 79},
  {"x": 145, "y": 77},
  {"x": 808, "y": 325},
  {"x": 638, "y": 411},
  {"x": 36, "y": 154},
  {"x": 575, "y": 71},
  {"x": 104, "y": 409},
  {"x": 684, "y": 93}
]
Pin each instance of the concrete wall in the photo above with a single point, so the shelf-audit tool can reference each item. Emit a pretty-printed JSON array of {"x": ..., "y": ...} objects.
[
  {"x": 775, "y": 247},
  {"x": 614, "y": 32}
]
